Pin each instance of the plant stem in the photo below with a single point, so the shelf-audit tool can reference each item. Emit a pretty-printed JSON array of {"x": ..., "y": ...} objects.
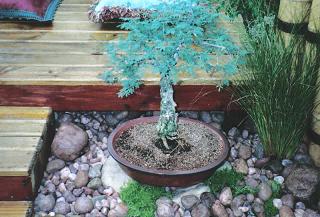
[{"x": 167, "y": 124}]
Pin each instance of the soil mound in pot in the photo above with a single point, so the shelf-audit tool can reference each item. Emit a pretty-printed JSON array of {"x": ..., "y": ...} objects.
[{"x": 138, "y": 145}]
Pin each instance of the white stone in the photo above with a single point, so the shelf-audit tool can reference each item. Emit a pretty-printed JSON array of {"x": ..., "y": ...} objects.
[
  {"x": 64, "y": 173},
  {"x": 113, "y": 175},
  {"x": 61, "y": 199},
  {"x": 298, "y": 213},
  {"x": 72, "y": 176},
  {"x": 251, "y": 171},
  {"x": 279, "y": 179},
  {"x": 277, "y": 203}
]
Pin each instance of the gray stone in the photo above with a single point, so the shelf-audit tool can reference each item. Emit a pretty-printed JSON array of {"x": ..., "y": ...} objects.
[
  {"x": 119, "y": 211},
  {"x": 286, "y": 211},
  {"x": 251, "y": 182},
  {"x": 45, "y": 203},
  {"x": 82, "y": 178},
  {"x": 310, "y": 213},
  {"x": 219, "y": 210},
  {"x": 265, "y": 191},
  {"x": 286, "y": 162},
  {"x": 300, "y": 205},
  {"x": 288, "y": 200},
  {"x": 69, "y": 196},
  {"x": 207, "y": 199},
  {"x": 233, "y": 132},
  {"x": 69, "y": 141},
  {"x": 189, "y": 201},
  {"x": 226, "y": 196},
  {"x": 258, "y": 207},
  {"x": 236, "y": 203},
  {"x": 83, "y": 205},
  {"x": 277, "y": 203},
  {"x": 241, "y": 166},
  {"x": 245, "y": 134},
  {"x": 62, "y": 208},
  {"x": 95, "y": 171},
  {"x": 95, "y": 183},
  {"x": 245, "y": 152},
  {"x": 302, "y": 181},
  {"x": 205, "y": 117},
  {"x": 196, "y": 190},
  {"x": 200, "y": 211},
  {"x": 279, "y": 179},
  {"x": 55, "y": 165},
  {"x": 113, "y": 175},
  {"x": 77, "y": 192},
  {"x": 303, "y": 159},
  {"x": 258, "y": 150},
  {"x": 164, "y": 210}
]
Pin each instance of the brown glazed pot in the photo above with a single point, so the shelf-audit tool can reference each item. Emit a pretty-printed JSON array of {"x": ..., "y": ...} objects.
[{"x": 174, "y": 178}]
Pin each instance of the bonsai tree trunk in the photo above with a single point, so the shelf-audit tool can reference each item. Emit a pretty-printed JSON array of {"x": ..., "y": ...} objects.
[{"x": 167, "y": 124}]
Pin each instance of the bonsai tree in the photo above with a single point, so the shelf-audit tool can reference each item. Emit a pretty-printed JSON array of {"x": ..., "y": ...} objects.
[{"x": 180, "y": 36}]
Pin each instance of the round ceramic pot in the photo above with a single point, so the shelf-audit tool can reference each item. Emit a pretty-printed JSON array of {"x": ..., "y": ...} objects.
[{"x": 157, "y": 177}]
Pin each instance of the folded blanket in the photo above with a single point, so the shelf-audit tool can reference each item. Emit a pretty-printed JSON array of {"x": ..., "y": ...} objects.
[
  {"x": 41, "y": 10},
  {"x": 106, "y": 10}
]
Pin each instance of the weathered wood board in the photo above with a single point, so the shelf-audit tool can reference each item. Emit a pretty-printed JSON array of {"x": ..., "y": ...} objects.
[
  {"x": 25, "y": 137},
  {"x": 15, "y": 209},
  {"x": 58, "y": 65}
]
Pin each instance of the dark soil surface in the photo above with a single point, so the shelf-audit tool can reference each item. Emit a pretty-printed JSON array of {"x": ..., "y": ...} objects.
[{"x": 196, "y": 147}]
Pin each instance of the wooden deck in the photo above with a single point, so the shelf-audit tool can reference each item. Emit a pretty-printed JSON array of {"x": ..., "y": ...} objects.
[
  {"x": 15, "y": 209},
  {"x": 25, "y": 137},
  {"x": 57, "y": 65}
]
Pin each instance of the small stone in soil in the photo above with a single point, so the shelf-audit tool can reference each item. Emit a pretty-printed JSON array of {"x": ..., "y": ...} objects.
[
  {"x": 83, "y": 205},
  {"x": 55, "y": 165},
  {"x": 265, "y": 191},
  {"x": 200, "y": 211},
  {"x": 207, "y": 198},
  {"x": 226, "y": 196},
  {"x": 189, "y": 201},
  {"x": 219, "y": 210}
]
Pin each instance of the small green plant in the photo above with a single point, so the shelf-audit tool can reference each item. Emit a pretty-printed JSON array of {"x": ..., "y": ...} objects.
[
  {"x": 141, "y": 199},
  {"x": 251, "y": 10},
  {"x": 176, "y": 37},
  {"x": 270, "y": 210},
  {"x": 244, "y": 190},
  {"x": 278, "y": 91}
]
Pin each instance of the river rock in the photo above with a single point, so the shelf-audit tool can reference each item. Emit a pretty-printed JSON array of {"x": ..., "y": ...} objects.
[
  {"x": 69, "y": 141},
  {"x": 218, "y": 209},
  {"x": 314, "y": 151},
  {"x": 286, "y": 212},
  {"x": 119, "y": 211},
  {"x": 83, "y": 205},
  {"x": 164, "y": 207},
  {"x": 95, "y": 183},
  {"x": 189, "y": 201},
  {"x": 207, "y": 199},
  {"x": 265, "y": 191},
  {"x": 196, "y": 190},
  {"x": 45, "y": 203},
  {"x": 302, "y": 181},
  {"x": 55, "y": 165},
  {"x": 245, "y": 152},
  {"x": 95, "y": 171},
  {"x": 241, "y": 166},
  {"x": 62, "y": 208},
  {"x": 82, "y": 178},
  {"x": 288, "y": 200},
  {"x": 226, "y": 196},
  {"x": 113, "y": 175},
  {"x": 200, "y": 211}
]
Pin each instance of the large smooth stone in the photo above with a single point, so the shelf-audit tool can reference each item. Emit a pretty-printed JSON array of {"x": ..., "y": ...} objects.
[
  {"x": 69, "y": 141},
  {"x": 113, "y": 175},
  {"x": 302, "y": 182}
]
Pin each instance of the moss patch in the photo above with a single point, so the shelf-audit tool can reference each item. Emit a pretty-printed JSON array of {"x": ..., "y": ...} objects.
[
  {"x": 269, "y": 209},
  {"x": 141, "y": 199}
]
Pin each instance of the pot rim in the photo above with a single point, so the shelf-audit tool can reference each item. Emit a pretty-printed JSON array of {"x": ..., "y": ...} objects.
[{"x": 162, "y": 172}]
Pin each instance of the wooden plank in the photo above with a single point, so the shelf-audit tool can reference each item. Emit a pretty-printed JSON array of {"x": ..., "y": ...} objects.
[
  {"x": 15, "y": 162},
  {"x": 14, "y": 128},
  {"x": 74, "y": 7},
  {"x": 104, "y": 97},
  {"x": 76, "y": 2},
  {"x": 16, "y": 188},
  {"x": 18, "y": 143},
  {"x": 21, "y": 47},
  {"x": 86, "y": 75},
  {"x": 57, "y": 36},
  {"x": 65, "y": 15},
  {"x": 15, "y": 208},
  {"x": 24, "y": 113}
]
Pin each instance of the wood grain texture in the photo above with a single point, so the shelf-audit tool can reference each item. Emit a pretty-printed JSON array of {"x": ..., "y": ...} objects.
[
  {"x": 26, "y": 134},
  {"x": 15, "y": 208},
  {"x": 104, "y": 97}
]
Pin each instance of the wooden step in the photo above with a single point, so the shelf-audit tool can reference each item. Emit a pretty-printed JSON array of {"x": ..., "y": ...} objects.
[
  {"x": 25, "y": 137},
  {"x": 15, "y": 209}
]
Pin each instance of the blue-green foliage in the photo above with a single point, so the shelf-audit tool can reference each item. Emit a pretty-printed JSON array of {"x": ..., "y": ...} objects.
[{"x": 174, "y": 38}]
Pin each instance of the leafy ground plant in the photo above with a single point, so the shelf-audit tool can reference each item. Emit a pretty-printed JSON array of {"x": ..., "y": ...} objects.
[
  {"x": 279, "y": 90},
  {"x": 175, "y": 37},
  {"x": 228, "y": 178},
  {"x": 270, "y": 209},
  {"x": 141, "y": 199}
]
